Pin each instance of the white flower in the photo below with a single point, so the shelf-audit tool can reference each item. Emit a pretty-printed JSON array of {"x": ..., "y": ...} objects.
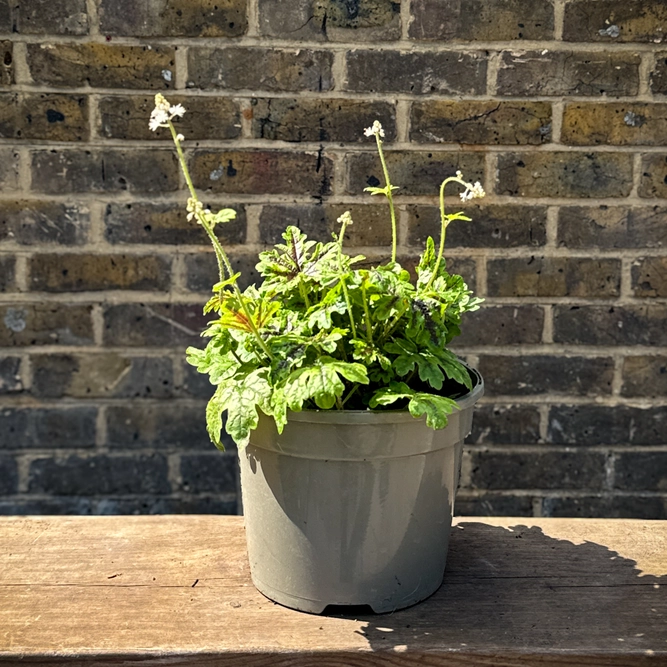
[
  {"x": 345, "y": 219},
  {"x": 159, "y": 118},
  {"x": 180, "y": 137},
  {"x": 194, "y": 207},
  {"x": 375, "y": 130},
  {"x": 477, "y": 191},
  {"x": 161, "y": 103},
  {"x": 176, "y": 110}
]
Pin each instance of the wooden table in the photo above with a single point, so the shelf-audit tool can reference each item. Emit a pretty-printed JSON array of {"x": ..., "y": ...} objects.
[{"x": 175, "y": 590}]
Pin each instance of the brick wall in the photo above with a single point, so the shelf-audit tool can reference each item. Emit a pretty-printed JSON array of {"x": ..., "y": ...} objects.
[{"x": 557, "y": 106}]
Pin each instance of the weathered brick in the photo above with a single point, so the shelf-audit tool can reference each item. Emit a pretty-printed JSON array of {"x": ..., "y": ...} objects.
[
  {"x": 493, "y": 504},
  {"x": 153, "y": 324},
  {"x": 641, "y": 471},
  {"x": 162, "y": 505},
  {"x": 505, "y": 424},
  {"x": 201, "y": 270},
  {"x": 618, "y": 124},
  {"x": 564, "y": 174},
  {"x": 262, "y": 172},
  {"x": 554, "y": 276},
  {"x": 40, "y": 221},
  {"x": 239, "y": 68},
  {"x": 299, "y": 119},
  {"x": 614, "y": 21},
  {"x": 101, "y": 65},
  {"x": 111, "y": 170},
  {"x": 415, "y": 173},
  {"x": 6, "y": 63},
  {"x": 174, "y": 18},
  {"x": 649, "y": 277},
  {"x": 653, "y": 181},
  {"x": 548, "y": 469},
  {"x": 153, "y": 222},
  {"x": 47, "y": 428},
  {"x": 568, "y": 73},
  {"x": 9, "y": 169},
  {"x": 545, "y": 374},
  {"x": 42, "y": 17},
  {"x": 9, "y": 475},
  {"x": 47, "y": 506},
  {"x": 125, "y": 117},
  {"x": 484, "y": 20},
  {"x": 503, "y": 325},
  {"x": 658, "y": 76},
  {"x": 45, "y": 324},
  {"x": 416, "y": 72},
  {"x": 644, "y": 376},
  {"x": 194, "y": 384},
  {"x": 7, "y": 273},
  {"x": 100, "y": 474},
  {"x": 603, "y": 425},
  {"x": 7, "y": 23},
  {"x": 209, "y": 473},
  {"x": 604, "y": 227},
  {"x": 606, "y": 507},
  {"x": 332, "y": 20},
  {"x": 611, "y": 325},
  {"x": 480, "y": 122},
  {"x": 10, "y": 375},
  {"x": 492, "y": 226},
  {"x": 83, "y": 272},
  {"x": 100, "y": 376}
]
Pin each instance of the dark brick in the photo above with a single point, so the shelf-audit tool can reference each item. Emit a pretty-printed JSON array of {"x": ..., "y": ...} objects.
[
  {"x": 47, "y": 428},
  {"x": 101, "y": 376},
  {"x": 494, "y": 226},
  {"x": 544, "y": 374},
  {"x": 649, "y": 277},
  {"x": 653, "y": 181},
  {"x": 565, "y": 174},
  {"x": 98, "y": 475},
  {"x": 10, "y": 375},
  {"x": 111, "y": 170},
  {"x": 246, "y": 68},
  {"x": 162, "y": 505},
  {"x": 641, "y": 471},
  {"x": 548, "y": 469},
  {"x": 101, "y": 65},
  {"x": 416, "y": 73},
  {"x": 39, "y": 221},
  {"x": 645, "y": 376},
  {"x": 174, "y": 18},
  {"x": 43, "y": 17},
  {"x": 605, "y": 227},
  {"x": 201, "y": 270},
  {"x": 658, "y": 77},
  {"x": 153, "y": 324},
  {"x": 9, "y": 169},
  {"x": 503, "y": 325},
  {"x": 505, "y": 424},
  {"x": 83, "y": 272},
  {"x": 195, "y": 384},
  {"x": 605, "y": 425},
  {"x": 611, "y": 325},
  {"x": 493, "y": 504},
  {"x": 606, "y": 507},
  {"x": 45, "y": 324},
  {"x": 47, "y": 506},
  {"x": 163, "y": 223},
  {"x": 262, "y": 172},
  {"x": 484, "y": 20},
  {"x": 9, "y": 476},
  {"x": 554, "y": 276},
  {"x": 480, "y": 122},
  {"x": 6, "y": 18},
  {"x": 416, "y": 173},
  {"x": 209, "y": 473},
  {"x": 299, "y": 119},
  {"x": 7, "y": 273},
  {"x": 6, "y": 63},
  {"x": 125, "y": 117},
  {"x": 559, "y": 73},
  {"x": 614, "y": 21}
]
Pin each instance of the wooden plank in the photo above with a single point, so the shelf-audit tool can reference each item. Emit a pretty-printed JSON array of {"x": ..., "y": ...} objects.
[{"x": 176, "y": 590}]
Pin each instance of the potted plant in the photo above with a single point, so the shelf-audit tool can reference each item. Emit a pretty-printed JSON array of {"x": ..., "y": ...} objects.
[{"x": 347, "y": 407}]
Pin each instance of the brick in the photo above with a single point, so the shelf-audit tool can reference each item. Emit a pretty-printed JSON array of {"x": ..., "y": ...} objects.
[
  {"x": 658, "y": 76},
  {"x": 641, "y": 471},
  {"x": 209, "y": 473},
  {"x": 564, "y": 174},
  {"x": 105, "y": 375},
  {"x": 162, "y": 505},
  {"x": 84, "y": 273},
  {"x": 649, "y": 277},
  {"x": 554, "y": 276},
  {"x": 416, "y": 73},
  {"x": 174, "y": 18},
  {"x": 47, "y": 506},
  {"x": 614, "y": 21},
  {"x": 492, "y": 226},
  {"x": 605, "y": 227},
  {"x": 494, "y": 20},
  {"x": 45, "y": 324},
  {"x": 59, "y": 171},
  {"x": 246, "y": 68},
  {"x": 505, "y": 425},
  {"x": 644, "y": 376},
  {"x": 42, "y": 17},
  {"x": 47, "y": 428},
  {"x": 611, "y": 325},
  {"x": 568, "y": 73},
  {"x": 153, "y": 324},
  {"x": 262, "y": 172},
  {"x": 6, "y": 63},
  {"x": 493, "y": 504},
  {"x": 10, "y": 375},
  {"x": 548, "y": 469},
  {"x": 606, "y": 507},
  {"x": 299, "y": 119},
  {"x": 480, "y": 122},
  {"x": 101, "y": 65},
  {"x": 9, "y": 169},
  {"x": 9, "y": 476},
  {"x": 194, "y": 384},
  {"x": 98, "y": 475},
  {"x": 603, "y": 425},
  {"x": 528, "y": 375},
  {"x": 164, "y": 223},
  {"x": 7, "y": 273},
  {"x": 201, "y": 270},
  {"x": 653, "y": 181},
  {"x": 415, "y": 173},
  {"x": 6, "y": 17},
  {"x": 126, "y": 117},
  {"x": 503, "y": 325},
  {"x": 39, "y": 221}
]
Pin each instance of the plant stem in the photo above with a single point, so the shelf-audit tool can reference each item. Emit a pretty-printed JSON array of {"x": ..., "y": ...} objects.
[
  {"x": 350, "y": 393},
  {"x": 390, "y": 198},
  {"x": 369, "y": 331},
  {"x": 342, "y": 280},
  {"x": 304, "y": 294}
]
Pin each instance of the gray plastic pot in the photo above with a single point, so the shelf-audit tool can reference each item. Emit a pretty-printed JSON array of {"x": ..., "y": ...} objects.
[{"x": 352, "y": 507}]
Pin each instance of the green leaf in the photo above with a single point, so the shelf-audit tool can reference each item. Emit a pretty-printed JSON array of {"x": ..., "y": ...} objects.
[
  {"x": 436, "y": 409},
  {"x": 214, "y": 417}
]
